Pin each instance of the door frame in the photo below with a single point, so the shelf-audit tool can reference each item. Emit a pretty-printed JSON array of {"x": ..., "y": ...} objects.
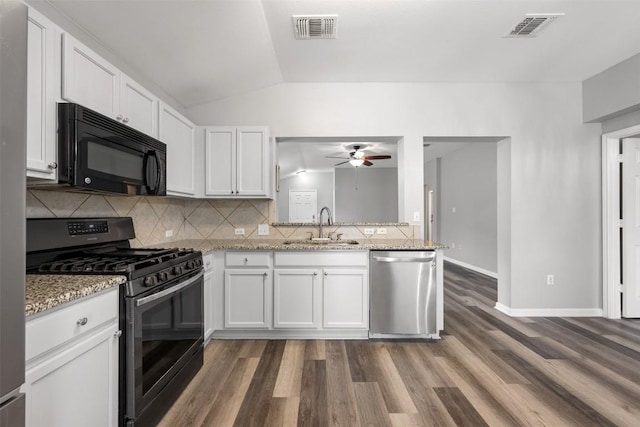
[{"x": 611, "y": 254}]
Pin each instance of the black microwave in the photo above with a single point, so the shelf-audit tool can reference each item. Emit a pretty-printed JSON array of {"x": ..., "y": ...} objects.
[{"x": 97, "y": 153}]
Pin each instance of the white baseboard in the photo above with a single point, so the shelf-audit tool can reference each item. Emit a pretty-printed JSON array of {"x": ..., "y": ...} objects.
[
  {"x": 549, "y": 312},
  {"x": 472, "y": 267}
]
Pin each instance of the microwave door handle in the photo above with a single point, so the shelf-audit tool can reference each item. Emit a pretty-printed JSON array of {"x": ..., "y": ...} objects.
[
  {"x": 152, "y": 190},
  {"x": 159, "y": 177}
]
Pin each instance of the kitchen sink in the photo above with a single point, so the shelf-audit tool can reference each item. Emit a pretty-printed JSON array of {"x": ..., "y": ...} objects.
[{"x": 322, "y": 242}]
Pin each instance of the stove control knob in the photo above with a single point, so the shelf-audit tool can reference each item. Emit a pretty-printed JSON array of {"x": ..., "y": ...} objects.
[
  {"x": 149, "y": 281},
  {"x": 191, "y": 265},
  {"x": 198, "y": 262},
  {"x": 162, "y": 276},
  {"x": 177, "y": 269}
]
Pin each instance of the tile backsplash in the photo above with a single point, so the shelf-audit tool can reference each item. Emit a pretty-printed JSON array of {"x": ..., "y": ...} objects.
[{"x": 186, "y": 218}]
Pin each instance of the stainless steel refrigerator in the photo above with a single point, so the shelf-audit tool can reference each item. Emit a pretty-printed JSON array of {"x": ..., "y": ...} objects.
[{"x": 13, "y": 129}]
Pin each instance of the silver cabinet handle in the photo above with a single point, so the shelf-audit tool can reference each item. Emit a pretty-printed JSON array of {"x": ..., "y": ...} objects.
[
  {"x": 264, "y": 274},
  {"x": 82, "y": 321},
  {"x": 315, "y": 273},
  {"x": 125, "y": 120},
  {"x": 53, "y": 165},
  {"x": 119, "y": 117},
  {"x": 246, "y": 260},
  {"x": 326, "y": 274}
]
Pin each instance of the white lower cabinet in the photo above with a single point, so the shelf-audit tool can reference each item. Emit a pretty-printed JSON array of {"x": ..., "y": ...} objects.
[
  {"x": 247, "y": 298},
  {"x": 345, "y": 293},
  {"x": 307, "y": 294},
  {"x": 296, "y": 298},
  {"x": 71, "y": 376},
  {"x": 208, "y": 305}
]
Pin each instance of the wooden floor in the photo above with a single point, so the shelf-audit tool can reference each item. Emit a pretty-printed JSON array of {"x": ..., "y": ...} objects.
[{"x": 488, "y": 369}]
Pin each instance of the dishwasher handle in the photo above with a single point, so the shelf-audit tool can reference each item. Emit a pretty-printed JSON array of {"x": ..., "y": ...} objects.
[{"x": 404, "y": 259}]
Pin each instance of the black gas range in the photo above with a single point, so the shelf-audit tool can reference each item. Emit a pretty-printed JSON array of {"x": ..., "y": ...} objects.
[{"x": 161, "y": 309}]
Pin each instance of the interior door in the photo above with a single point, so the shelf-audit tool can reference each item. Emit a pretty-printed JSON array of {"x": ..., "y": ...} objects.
[
  {"x": 303, "y": 205},
  {"x": 631, "y": 227}
]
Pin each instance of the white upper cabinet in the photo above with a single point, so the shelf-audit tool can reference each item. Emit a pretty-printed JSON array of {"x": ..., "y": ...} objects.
[
  {"x": 179, "y": 135},
  {"x": 42, "y": 69},
  {"x": 88, "y": 79},
  {"x": 91, "y": 81},
  {"x": 138, "y": 107},
  {"x": 236, "y": 161}
]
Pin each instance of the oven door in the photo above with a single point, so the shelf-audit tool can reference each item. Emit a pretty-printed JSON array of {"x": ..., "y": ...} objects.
[{"x": 164, "y": 330}]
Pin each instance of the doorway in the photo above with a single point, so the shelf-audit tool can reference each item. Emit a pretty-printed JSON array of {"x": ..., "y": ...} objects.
[{"x": 621, "y": 223}]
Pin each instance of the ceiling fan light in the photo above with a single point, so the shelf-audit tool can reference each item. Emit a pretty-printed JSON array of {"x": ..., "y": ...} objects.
[{"x": 356, "y": 162}]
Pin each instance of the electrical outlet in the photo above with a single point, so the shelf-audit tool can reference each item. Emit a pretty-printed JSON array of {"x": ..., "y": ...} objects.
[
  {"x": 416, "y": 216},
  {"x": 263, "y": 229},
  {"x": 381, "y": 231},
  {"x": 369, "y": 231},
  {"x": 239, "y": 231},
  {"x": 168, "y": 233},
  {"x": 550, "y": 280}
]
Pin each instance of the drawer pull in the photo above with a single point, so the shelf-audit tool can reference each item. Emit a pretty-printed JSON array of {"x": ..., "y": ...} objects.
[
  {"x": 117, "y": 334},
  {"x": 246, "y": 260},
  {"x": 315, "y": 273},
  {"x": 82, "y": 321}
]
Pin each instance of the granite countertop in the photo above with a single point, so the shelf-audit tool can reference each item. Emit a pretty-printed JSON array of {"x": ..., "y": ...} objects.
[
  {"x": 46, "y": 291},
  {"x": 279, "y": 245}
]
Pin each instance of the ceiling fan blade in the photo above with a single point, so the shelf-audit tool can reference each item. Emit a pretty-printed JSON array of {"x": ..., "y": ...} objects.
[
  {"x": 367, "y": 163},
  {"x": 334, "y": 157},
  {"x": 377, "y": 157},
  {"x": 341, "y": 163}
]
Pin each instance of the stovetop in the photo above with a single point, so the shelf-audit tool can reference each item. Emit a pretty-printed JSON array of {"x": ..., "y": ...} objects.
[
  {"x": 101, "y": 246},
  {"x": 114, "y": 261}
]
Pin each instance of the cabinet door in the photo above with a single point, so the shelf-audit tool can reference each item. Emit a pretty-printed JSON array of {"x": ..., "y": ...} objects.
[
  {"x": 296, "y": 298},
  {"x": 179, "y": 135},
  {"x": 220, "y": 158},
  {"x": 41, "y": 98},
  {"x": 88, "y": 79},
  {"x": 208, "y": 295},
  {"x": 252, "y": 161},
  {"x": 138, "y": 107},
  {"x": 345, "y": 299},
  {"x": 77, "y": 386},
  {"x": 247, "y": 298}
]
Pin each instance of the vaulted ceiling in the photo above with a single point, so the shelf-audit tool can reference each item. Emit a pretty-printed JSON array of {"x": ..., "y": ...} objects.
[{"x": 202, "y": 51}]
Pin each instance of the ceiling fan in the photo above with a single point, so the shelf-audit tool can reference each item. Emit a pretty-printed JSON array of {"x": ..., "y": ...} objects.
[{"x": 358, "y": 157}]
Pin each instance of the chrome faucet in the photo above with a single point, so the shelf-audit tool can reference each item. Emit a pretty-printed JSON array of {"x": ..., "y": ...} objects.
[{"x": 329, "y": 220}]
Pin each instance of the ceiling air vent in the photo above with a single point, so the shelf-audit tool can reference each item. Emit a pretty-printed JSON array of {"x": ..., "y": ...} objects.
[
  {"x": 532, "y": 24},
  {"x": 315, "y": 26}
]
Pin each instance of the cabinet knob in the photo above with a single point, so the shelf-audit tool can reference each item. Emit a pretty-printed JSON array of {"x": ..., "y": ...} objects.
[
  {"x": 117, "y": 334},
  {"x": 315, "y": 273},
  {"x": 246, "y": 260},
  {"x": 82, "y": 321},
  {"x": 326, "y": 274},
  {"x": 119, "y": 117},
  {"x": 231, "y": 191},
  {"x": 53, "y": 165},
  {"x": 264, "y": 274},
  {"x": 125, "y": 120}
]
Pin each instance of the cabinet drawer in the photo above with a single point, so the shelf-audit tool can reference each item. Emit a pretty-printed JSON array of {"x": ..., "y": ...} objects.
[
  {"x": 321, "y": 258},
  {"x": 50, "y": 330},
  {"x": 248, "y": 259}
]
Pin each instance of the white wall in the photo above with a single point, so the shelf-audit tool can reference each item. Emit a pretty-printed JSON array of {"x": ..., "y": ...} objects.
[
  {"x": 375, "y": 199},
  {"x": 554, "y": 186},
  {"x": 468, "y": 184}
]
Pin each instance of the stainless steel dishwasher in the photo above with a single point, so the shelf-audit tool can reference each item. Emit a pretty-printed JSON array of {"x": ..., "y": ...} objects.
[{"x": 403, "y": 294}]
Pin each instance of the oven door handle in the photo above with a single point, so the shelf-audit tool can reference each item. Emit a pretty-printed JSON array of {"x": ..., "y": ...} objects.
[{"x": 172, "y": 290}]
